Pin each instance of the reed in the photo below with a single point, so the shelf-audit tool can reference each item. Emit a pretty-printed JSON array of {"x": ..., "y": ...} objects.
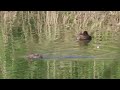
[{"x": 35, "y": 27}]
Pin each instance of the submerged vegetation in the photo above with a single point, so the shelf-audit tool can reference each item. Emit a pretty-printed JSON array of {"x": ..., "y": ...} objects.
[{"x": 24, "y": 32}]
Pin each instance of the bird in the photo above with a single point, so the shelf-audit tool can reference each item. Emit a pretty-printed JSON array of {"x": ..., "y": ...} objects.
[
  {"x": 35, "y": 56},
  {"x": 84, "y": 36}
]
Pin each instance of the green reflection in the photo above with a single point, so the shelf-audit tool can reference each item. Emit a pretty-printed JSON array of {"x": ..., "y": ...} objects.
[{"x": 53, "y": 34}]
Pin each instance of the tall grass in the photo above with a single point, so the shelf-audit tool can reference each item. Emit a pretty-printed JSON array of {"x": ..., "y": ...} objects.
[{"x": 36, "y": 27}]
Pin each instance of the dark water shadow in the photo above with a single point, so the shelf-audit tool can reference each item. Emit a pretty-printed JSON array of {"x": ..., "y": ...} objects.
[
  {"x": 84, "y": 45},
  {"x": 83, "y": 42}
]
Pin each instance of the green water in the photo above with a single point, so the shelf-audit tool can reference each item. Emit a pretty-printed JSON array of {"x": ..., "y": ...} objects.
[
  {"x": 64, "y": 57},
  {"x": 102, "y": 62}
]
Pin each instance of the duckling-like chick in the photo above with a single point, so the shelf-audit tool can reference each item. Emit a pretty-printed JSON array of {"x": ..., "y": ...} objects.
[{"x": 35, "y": 56}]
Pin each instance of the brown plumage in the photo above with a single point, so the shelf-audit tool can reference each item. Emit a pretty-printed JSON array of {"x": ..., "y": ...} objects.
[
  {"x": 35, "y": 56},
  {"x": 84, "y": 36}
]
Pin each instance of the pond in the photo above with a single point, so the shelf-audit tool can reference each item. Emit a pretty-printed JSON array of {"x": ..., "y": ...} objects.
[{"x": 63, "y": 56}]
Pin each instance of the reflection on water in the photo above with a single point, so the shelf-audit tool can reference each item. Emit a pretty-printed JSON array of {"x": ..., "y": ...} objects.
[
  {"x": 62, "y": 59},
  {"x": 62, "y": 56}
]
